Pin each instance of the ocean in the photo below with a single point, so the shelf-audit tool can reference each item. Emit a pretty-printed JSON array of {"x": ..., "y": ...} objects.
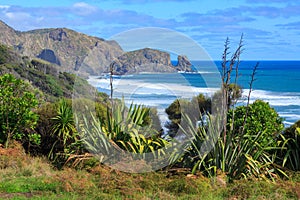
[{"x": 276, "y": 82}]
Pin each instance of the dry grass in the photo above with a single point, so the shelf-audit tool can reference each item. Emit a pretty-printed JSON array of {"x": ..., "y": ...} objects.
[{"x": 22, "y": 176}]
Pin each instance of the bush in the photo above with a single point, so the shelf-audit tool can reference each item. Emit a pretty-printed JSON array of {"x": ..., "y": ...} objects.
[
  {"x": 17, "y": 119},
  {"x": 44, "y": 124},
  {"x": 238, "y": 153},
  {"x": 260, "y": 118},
  {"x": 197, "y": 106}
]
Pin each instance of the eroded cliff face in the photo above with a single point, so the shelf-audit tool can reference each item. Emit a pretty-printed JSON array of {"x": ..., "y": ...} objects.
[
  {"x": 74, "y": 52},
  {"x": 86, "y": 55},
  {"x": 144, "y": 60},
  {"x": 149, "y": 60}
]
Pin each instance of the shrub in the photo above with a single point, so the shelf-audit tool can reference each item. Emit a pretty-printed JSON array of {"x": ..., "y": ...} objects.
[
  {"x": 44, "y": 124},
  {"x": 197, "y": 106},
  {"x": 261, "y": 118},
  {"x": 17, "y": 118},
  {"x": 237, "y": 154}
]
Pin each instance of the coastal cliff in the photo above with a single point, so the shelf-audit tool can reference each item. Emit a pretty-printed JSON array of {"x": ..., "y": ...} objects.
[
  {"x": 86, "y": 55},
  {"x": 149, "y": 60}
]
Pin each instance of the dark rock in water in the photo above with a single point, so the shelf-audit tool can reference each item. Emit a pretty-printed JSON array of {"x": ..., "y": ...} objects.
[
  {"x": 183, "y": 64},
  {"x": 49, "y": 55}
]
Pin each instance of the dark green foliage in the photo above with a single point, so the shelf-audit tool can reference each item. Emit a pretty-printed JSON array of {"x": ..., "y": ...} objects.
[
  {"x": 234, "y": 93},
  {"x": 53, "y": 115},
  {"x": 247, "y": 146},
  {"x": 291, "y": 154},
  {"x": 261, "y": 118},
  {"x": 63, "y": 130},
  {"x": 204, "y": 103},
  {"x": 63, "y": 123},
  {"x": 44, "y": 124},
  {"x": 16, "y": 115},
  {"x": 238, "y": 154},
  {"x": 194, "y": 109},
  {"x": 102, "y": 103}
]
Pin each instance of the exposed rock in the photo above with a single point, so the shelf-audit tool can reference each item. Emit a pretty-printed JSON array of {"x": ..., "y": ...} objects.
[
  {"x": 8, "y": 35},
  {"x": 58, "y": 34},
  {"x": 49, "y": 55},
  {"x": 86, "y": 55},
  {"x": 75, "y": 52},
  {"x": 184, "y": 64},
  {"x": 149, "y": 60},
  {"x": 144, "y": 60}
]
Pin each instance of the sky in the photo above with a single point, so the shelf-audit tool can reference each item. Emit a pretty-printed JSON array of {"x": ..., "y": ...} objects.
[{"x": 271, "y": 28}]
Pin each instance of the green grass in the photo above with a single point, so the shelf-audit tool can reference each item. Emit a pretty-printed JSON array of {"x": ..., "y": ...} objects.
[
  {"x": 28, "y": 184},
  {"x": 34, "y": 178}
]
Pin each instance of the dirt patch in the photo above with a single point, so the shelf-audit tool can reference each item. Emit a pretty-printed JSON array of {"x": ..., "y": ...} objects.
[
  {"x": 19, "y": 194},
  {"x": 16, "y": 151},
  {"x": 297, "y": 190}
]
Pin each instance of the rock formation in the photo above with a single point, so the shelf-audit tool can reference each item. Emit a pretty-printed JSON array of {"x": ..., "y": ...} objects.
[
  {"x": 86, "y": 55},
  {"x": 149, "y": 60}
]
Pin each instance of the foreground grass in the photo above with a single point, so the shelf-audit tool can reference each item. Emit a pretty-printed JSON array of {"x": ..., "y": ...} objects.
[{"x": 23, "y": 177}]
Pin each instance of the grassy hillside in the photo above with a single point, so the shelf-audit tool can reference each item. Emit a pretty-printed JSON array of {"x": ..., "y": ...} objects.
[{"x": 41, "y": 74}]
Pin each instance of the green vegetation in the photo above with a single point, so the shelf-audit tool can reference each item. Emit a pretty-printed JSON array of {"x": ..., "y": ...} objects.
[
  {"x": 16, "y": 116},
  {"x": 42, "y": 75},
  {"x": 129, "y": 129},
  {"x": 251, "y": 157},
  {"x": 199, "y": 105},
  {"x": 63, "y": 123},
  {"x": 291, "y": 140},
  {"x": 34, "y": 178}
]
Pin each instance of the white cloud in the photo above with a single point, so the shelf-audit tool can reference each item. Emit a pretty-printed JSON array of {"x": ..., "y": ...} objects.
[
  {"x": 4, "y": 7},
  {"x": 17, "y": 15},
  {"x": 82, "y": 8}
]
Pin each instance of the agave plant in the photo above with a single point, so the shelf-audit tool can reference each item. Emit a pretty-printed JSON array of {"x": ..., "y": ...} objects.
[{"x": 126, "y": 129}]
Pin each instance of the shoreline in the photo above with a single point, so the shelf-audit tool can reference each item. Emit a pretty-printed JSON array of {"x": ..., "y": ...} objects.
[{"x": 160, "y": 93}]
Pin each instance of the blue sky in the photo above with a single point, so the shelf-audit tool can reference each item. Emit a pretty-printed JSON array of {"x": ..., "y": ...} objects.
[{"x": 271, "y": 28}]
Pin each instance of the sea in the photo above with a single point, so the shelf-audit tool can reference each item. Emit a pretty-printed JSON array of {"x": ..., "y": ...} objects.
[{"x": 276, "y": 82}]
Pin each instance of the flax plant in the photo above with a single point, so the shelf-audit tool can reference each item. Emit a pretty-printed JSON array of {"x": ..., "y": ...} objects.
[{"x": 126, "y": 130}]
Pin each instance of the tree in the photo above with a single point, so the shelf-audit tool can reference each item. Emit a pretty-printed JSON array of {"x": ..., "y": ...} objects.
[
  {"x": 199, "y": 105},
  {"x": 16, "y": 110}
]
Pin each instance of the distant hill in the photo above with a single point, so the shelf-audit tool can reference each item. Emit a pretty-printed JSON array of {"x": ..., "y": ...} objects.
[{"x": 86, "y": 55}]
